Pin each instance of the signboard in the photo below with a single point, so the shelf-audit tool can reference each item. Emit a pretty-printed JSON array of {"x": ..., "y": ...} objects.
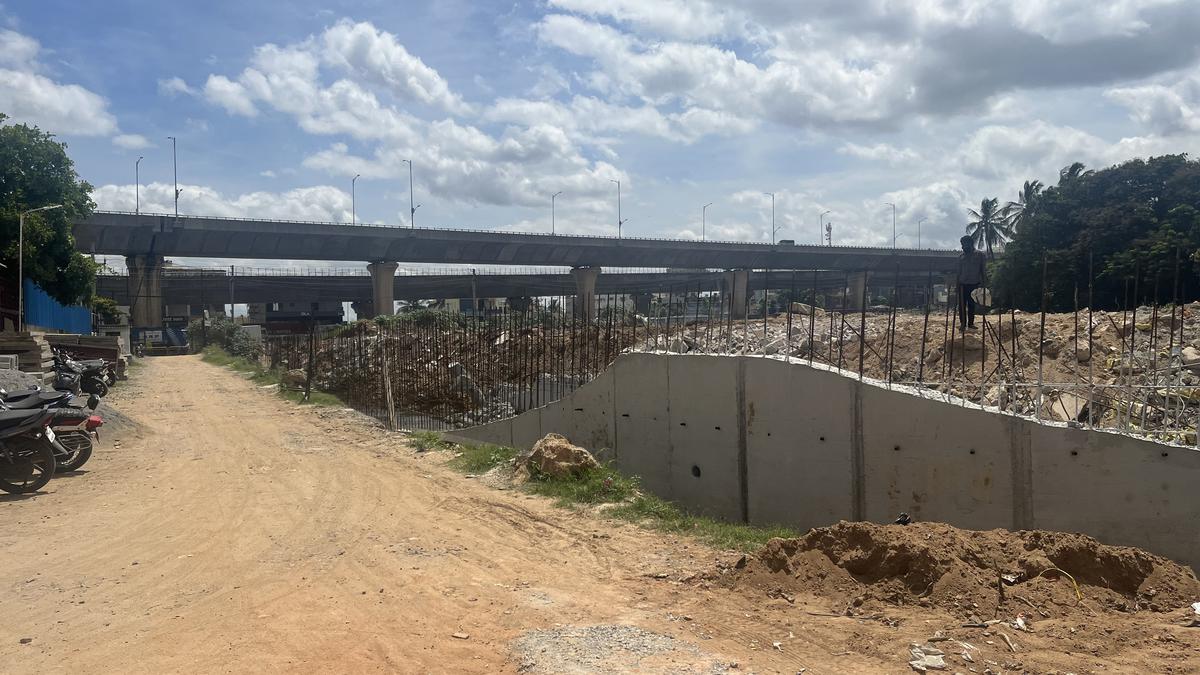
[{"x": 152, "y": 336}]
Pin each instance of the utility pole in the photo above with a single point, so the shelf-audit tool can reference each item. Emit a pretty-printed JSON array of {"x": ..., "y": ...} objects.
[
  {"x": 175, "y": 165},
  {"x": 21, "y": 262},
  {"x": 552, "y": 198},
  {"x": 829, "y": 233},
  {"x": 821, "y": 226},
  {"x": 893, "y": 223},
  {"x": 773, "y": 230},
  {"x": 137, "y": 187},
  {"x": 919, "y": 231},
  {"x": 703, "y": 221},
  {"x": 353, "y": 201},
  {"x": 619, "y": 221},
  {"x": 412, "y": 210}
]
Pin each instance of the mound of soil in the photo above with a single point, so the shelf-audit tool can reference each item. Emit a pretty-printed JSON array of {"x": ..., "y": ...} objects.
[{"x": 968, "y": 572}]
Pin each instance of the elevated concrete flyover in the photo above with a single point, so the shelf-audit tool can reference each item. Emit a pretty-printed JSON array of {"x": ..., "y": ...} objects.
[
  {"x": 215, "y": 286},
  {"x": 107, "y": 232}
]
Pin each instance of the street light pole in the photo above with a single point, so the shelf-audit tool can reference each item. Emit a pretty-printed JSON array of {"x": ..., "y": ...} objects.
[
  {"x": 919, "y": 231},
  {"x": 412, "y": 210},
  {"x": 552, "y": 198},
  {"x": 821, "y": 226},
  {"x": 893, "y": 223},
  {"x": 21, "y": 262},
  {"x": 137, "y": 187},
  {"x": 704, "y": 221},
  {"x": 353, "y": 200},
  {"x": 773, "y": 230},
  {"x": 619, "y": 221},
  {"x": 175, "y": 166}
]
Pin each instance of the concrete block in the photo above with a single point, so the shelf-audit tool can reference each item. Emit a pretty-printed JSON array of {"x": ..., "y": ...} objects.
[
  {"x": 935, "y": 461},
  {"x": 702, "y": 398},
  {"x": 798, "y": 444},
  {"x": 642, "y": 421},
  {"x": 586, "y": 416},
  {"x": 1118, "y": 489}
]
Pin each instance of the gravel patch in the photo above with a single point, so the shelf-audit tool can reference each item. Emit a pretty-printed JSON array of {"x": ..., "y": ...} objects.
[{"x": 604, "y": 649}]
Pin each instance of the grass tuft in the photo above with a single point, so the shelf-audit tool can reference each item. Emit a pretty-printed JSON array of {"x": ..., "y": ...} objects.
[
  {"x": 663, "y": 516},
  {"x": 423, "y": 441},
  {"x": 598, "y": 486},
  {"x": 606, "y": 485},
  {"x": 479, "y": 459},
  {"x": 263, "y": 377}
]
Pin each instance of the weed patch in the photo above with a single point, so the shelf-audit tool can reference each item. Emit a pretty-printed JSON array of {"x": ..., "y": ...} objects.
[{"x": 263, "y": 377}]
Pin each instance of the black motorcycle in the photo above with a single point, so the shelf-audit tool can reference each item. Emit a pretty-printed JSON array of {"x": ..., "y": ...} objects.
[
  {"x": 92, "y": 377},
  {"x": 73, "y": 426},
  {"x": 27, "y": 450}
]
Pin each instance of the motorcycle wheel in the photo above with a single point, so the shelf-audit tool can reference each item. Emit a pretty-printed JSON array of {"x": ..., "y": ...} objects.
[
  {"x": 95, "y": 386},
  {"x": 29, "y": 472},
  {"x": 79, "y": 444}
]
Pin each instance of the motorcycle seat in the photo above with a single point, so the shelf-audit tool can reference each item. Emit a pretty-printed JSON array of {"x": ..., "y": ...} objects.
[
  {"x": 37, "y": 401},
  {"x": 16, "y": 418}
]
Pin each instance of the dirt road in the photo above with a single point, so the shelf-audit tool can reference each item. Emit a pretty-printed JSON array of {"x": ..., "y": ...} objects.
[{"x": 221, "y": 529}]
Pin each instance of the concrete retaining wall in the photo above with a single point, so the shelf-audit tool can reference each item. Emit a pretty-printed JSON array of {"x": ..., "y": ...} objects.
[{"x": 768, "y": 441}]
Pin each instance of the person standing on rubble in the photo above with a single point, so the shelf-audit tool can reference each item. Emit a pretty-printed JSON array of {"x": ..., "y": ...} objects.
[{"x": 972, "y": 273}]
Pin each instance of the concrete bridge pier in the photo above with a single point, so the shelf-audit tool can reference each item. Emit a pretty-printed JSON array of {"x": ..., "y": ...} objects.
[
  {"x": 857, "y": 288},
  {"x": 641, "y": 303},
  {"x": 585, "y": 291},
  {"x": 383, "y": 289},
  {"x": 145, "y": 290},
  {"x": 734, "y": 286}
]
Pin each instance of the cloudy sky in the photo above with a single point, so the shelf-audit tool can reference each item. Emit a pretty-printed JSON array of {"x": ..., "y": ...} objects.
[{"x": 838, "y": 105}]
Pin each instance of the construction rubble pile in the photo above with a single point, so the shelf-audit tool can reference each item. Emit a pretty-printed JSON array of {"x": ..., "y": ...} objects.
[
  {"x": 1139, "y": 371},
  {"x": 459, "y": 375}
]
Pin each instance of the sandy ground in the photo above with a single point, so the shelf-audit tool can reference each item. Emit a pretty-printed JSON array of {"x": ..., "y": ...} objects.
[{"x": 221, "y": 529}]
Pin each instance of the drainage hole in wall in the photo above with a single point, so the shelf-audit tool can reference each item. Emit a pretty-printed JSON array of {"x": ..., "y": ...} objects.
[
  {"x": 683, "y": 424},
  {"x": 822, "y": 439},
  {"x": 717, "y": 428},
  {"x": 695, "y": 471},
  {"x": 624, "y": 414},
  {"x": 1074, "y": 452},
  {"x": 972, "y": 452},
  {"x": 1165, "y": 454},
  {"x": 768, "y": 434},
  {"x": 579, "y": 410},
  {"x": 896, "y": 448}
]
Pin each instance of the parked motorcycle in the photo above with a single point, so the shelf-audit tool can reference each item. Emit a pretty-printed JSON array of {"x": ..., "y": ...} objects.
[
  {"x": 73, "y": 426},
  {"x": 92, "y": 376},
  {"x": 27, "y": 450}
]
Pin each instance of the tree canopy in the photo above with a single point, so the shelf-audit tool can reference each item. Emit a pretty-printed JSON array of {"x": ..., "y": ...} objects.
[
  {"x": 35, "y": 171},
  {"x": 1127, "y": 227}
]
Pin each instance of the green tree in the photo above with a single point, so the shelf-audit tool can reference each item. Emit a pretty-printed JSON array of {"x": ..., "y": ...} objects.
[
  {"x": 991, "y": 226},
  {"x": 1023, "y": 210},
  {"x": 1110, "y": 231},
  {"x": 36, "y": 171}
]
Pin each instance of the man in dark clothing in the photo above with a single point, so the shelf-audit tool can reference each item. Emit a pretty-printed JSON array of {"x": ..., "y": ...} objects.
[{"x": 972, "y": 273}]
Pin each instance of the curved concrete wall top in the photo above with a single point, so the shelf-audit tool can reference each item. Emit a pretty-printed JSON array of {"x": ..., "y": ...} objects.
[{"x": 765, "y": 440}]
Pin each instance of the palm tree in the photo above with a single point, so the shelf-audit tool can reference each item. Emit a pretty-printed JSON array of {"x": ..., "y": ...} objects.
[
  {"x": 1073, "y": 172},
  {"x": 1021, "y": 212},
  {"x": 991, "y": 226}
]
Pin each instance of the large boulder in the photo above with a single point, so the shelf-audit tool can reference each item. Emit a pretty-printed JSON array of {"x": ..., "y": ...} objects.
[{"x": 554, "y": 456}]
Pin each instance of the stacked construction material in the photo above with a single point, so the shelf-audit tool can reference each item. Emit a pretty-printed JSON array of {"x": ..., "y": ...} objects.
[
  {"x": 107, "y": 347},
  {"x": 33, "y": 353}
]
